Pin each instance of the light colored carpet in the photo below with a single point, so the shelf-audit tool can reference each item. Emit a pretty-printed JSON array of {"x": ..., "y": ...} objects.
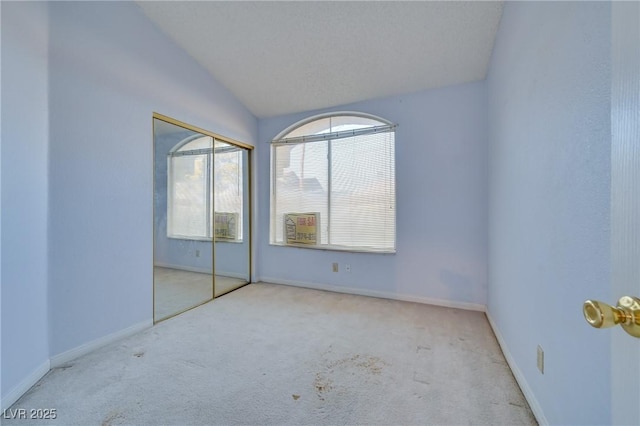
[
  {"x": 269, "y": 355},
  {"x": 176, "y": 290}
]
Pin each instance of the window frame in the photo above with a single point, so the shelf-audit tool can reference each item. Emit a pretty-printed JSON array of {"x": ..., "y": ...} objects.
[{"x": 277, "y": 141}]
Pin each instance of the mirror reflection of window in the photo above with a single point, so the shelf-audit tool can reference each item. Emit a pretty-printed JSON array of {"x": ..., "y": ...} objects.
[
  {"x": 231, "y": 223},
  {"x": 229, "y": 193},
  {"x": 189, "y": 188},
  {"x": 203, "y": 176}
]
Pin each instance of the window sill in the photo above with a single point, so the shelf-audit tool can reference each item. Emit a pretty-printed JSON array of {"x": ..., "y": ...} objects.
[
  {"x": 336, "y": 248},
  {"x": 204, "y": 239}
]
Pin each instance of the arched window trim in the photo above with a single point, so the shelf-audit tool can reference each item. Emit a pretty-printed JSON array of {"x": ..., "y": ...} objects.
[
  {"x": 176, "y": 150},
  {"x": 281, "y": 137},
  {"x": 177, "y": 147}
]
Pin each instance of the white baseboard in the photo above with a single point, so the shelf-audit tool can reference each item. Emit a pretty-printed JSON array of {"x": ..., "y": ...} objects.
[
  {"x": 201, "y": 270},
  {"x": 61, "y": 359},
  {"x": 183, "y": 268},
  {"x": 232, "y": 275},
  {"x": 65, "y": 357},
  {"x": 378, "y": 294},
  {"x": 517, "y": 373},
  {"x": 26, "y": 384}
]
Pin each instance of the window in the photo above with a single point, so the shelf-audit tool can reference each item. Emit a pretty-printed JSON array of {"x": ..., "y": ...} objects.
[
  {"x": 333, "y": 184},
  {"x": 197, "y": 165}
]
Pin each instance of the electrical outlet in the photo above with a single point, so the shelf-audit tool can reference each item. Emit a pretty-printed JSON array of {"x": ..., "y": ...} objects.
[
  {"x": 540, "y": 359},
  {"x": 347, "y": 268},
  {"x": 197, "y": 253},
  {"x": 335, "y": 267}
]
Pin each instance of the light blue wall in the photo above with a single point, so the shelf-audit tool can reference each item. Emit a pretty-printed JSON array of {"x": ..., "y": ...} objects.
[
  {"x": 441, "y": 178},
  {"x": 549, "y": 122},
  {"x": 25, "y": 127},
  {"x": 110, "y": 68}
]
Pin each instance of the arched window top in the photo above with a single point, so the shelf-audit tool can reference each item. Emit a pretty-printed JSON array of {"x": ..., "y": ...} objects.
[
  {"x": 333, "y": 126},
  {"x": 192, "y": 143},
  {"x": 201, "y": 144}
]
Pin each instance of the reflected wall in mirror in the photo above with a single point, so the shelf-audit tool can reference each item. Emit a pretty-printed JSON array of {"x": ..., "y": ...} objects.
[{"x": 201, "y": 195}]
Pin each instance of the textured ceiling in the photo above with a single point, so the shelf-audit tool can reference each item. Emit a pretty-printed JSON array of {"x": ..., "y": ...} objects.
[{"x": 285, "y": 57}]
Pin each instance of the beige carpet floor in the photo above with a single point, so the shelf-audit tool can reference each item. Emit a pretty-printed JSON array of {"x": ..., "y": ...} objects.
[{"x": 270, "y": 355}]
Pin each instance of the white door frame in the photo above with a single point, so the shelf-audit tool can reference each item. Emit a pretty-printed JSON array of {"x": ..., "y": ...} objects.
[{"x": 625, "y": 205}]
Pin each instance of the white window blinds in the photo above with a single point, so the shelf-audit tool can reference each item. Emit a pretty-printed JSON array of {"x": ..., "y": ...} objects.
[{"x": 343, "y": 174}]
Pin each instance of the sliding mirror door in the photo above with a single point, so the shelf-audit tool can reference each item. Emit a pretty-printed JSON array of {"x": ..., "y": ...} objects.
[
  {"x": 201, "y": 217},
  {"x": 183, "y": 251},
  {"x": 231, "y": 217}
]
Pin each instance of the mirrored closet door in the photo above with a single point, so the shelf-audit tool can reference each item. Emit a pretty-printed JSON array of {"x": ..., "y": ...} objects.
[{"x": 201, "y": 217}]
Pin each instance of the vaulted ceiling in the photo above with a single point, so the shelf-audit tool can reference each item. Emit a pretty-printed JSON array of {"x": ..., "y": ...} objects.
[{"x": 284, "y": 57}]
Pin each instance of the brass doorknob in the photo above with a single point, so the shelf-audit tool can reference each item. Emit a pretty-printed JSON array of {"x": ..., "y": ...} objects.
[{"x": 626, "y": 313}]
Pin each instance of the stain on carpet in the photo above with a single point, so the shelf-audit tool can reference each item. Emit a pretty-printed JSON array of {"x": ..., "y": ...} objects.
[
  {"x": 358, "y": 368},
  {"x": 422, "y": 372},
  {"x": 370, "y": 364},
  {"x": 420, "y": 378},
  {"x": 113, "y": 416},
  {"x": 295, "y": 397},
  {"x": 191, "y": 363},
  {"x": 322, "y": 384}
]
